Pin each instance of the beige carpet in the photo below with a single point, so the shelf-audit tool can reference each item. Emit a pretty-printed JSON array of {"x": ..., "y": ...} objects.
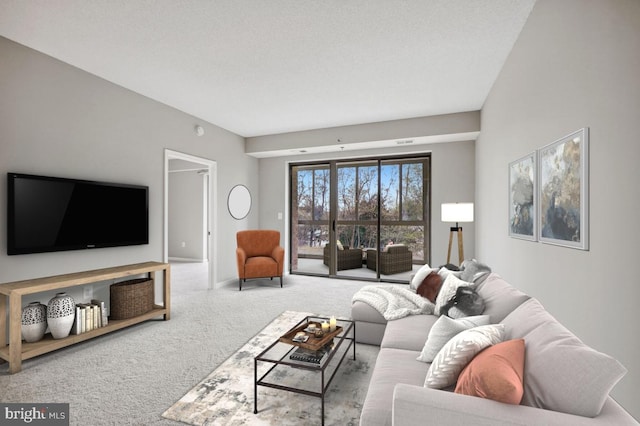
[
  {"x": 226, "y": 396},
  {"x": 132, "y": 376}
]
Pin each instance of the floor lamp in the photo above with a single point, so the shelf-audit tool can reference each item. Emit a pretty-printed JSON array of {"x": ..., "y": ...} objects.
[{"x": 457, "y": 212}]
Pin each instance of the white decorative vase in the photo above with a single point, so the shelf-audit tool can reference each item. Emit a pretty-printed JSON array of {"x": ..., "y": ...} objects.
[
  {"x": 60, "y": 315},
  {"x": 34, "y": 321}
]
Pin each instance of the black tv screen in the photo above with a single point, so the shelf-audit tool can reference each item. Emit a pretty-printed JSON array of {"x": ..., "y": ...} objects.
[{"x": 54, "y": 214}]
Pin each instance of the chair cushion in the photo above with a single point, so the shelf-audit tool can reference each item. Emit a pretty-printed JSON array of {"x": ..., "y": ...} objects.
[{"x": 260, "y": 266}]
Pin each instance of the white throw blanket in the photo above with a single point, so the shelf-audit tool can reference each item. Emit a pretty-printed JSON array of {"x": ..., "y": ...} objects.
[{"x": 393, "y": 302}]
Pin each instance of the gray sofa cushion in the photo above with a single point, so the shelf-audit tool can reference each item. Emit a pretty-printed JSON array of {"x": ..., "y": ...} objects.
[
  {"x": 361, "y": 311},
  {"x": 500, "y": 298},
  {"x": 393, "y": 366},
  {"x": 561, "y": 373},
  {"x": 408, "y": 333}
]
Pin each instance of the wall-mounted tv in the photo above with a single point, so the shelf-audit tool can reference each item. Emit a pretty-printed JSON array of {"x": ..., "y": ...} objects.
[{"x": 47, "y": 214}]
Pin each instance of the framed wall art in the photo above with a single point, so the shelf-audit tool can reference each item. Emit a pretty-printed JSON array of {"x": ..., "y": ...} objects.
[
  {"x": 563, "y": 200},
  {"x": 522, "y": 198}
]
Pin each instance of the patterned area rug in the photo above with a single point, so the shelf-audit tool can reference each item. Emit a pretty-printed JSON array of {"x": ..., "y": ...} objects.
[{"x": 225, "y": 397}]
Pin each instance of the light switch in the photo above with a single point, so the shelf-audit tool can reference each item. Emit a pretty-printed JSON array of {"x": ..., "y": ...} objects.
[{"x": 279, "y": 215}]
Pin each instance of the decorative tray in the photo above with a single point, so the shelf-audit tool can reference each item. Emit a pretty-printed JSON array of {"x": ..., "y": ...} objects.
[{"x": 313, "y": 343}]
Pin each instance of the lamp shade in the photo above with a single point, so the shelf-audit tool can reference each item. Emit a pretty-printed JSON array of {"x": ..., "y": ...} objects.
[{"x": 457, "y": 212}]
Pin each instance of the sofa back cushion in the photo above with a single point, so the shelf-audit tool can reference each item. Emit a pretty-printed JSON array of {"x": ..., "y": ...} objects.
[
  {"x": 258, "y": 242},
  {"x": 397, "y": 248},
  {"x": 500, "y": 297},
  {"x": 561, "y": 373}
]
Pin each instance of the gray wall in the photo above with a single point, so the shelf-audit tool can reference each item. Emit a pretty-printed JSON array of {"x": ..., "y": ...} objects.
[
  {"x": 452, "y": 180},
  {"x": 61, "y": 121},
  {"x": 186, "y": 216},
  {"x": 576, "y": 64}
]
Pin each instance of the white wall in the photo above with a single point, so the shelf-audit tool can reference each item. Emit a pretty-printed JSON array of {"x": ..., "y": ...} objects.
[
  {"x": 576, "y": 64},
  {"x": 452, "y": 178},
  {"x": 61, "y": 121}
]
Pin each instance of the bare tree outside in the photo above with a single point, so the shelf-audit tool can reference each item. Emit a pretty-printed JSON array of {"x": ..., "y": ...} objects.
[{"x": 401, "y": 197}]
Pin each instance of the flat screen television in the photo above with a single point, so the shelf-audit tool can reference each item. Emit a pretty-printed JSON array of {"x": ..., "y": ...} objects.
[{"x": 46, "y": 214}]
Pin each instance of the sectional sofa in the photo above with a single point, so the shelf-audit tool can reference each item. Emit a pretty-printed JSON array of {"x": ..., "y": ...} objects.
[{"x": 563, "y": 381}]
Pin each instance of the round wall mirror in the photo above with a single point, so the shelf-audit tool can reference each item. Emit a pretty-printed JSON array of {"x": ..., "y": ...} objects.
[{"x": 239, "y": 201}]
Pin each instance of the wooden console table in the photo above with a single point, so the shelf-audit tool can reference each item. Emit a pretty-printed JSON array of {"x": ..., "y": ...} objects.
[{"x": 17, "y": 351}]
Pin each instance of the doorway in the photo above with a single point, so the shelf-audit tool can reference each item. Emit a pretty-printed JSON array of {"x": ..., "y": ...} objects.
[{"x": 198, "y": 177}]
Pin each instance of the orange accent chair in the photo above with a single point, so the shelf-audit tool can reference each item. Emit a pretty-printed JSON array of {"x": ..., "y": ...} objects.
[{"x": 259, "y": 255}]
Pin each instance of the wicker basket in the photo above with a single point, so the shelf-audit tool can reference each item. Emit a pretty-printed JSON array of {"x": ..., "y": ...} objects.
[{"x": 131, "y": 298}]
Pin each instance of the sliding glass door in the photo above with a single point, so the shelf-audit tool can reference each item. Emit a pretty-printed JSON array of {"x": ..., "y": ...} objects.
[
  {"x": 309, "y": 212},
  {"x": 362, "y": 219}
]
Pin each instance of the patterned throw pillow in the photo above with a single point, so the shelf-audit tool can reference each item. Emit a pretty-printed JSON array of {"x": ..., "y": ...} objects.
[
  {"x": 495, "y": 373},
  {"x": 447, "y": 291},
  {"x": 457, "y": 353},
  {"x": 444, "y": 329}
]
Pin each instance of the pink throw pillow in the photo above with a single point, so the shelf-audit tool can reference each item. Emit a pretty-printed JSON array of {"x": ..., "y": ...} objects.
[{"x": 495, "y": 373}]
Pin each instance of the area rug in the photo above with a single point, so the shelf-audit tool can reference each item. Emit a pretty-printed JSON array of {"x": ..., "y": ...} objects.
[{"x": 226, "y": 396}]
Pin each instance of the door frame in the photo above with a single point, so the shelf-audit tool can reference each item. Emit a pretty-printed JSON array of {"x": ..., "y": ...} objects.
[
  {"x": 212, "y": 219},
  {"x": 333, "y": 222}
]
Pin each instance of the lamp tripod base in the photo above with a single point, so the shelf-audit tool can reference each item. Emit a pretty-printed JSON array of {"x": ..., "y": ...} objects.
[{"x": 458, "y": 230}]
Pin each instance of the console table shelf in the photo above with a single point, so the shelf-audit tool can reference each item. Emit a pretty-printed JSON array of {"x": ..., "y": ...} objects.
[{"x": 17, "y": 351}]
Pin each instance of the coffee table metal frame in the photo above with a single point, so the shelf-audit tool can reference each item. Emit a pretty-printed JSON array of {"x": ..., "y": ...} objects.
[{"x": 348, "y": 334}]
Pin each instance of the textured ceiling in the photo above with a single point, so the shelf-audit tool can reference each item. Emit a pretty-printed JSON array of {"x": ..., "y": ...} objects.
[{"x": 263, "y": 67}]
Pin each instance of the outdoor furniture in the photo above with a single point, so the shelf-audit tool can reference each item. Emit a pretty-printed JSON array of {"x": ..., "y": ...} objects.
[
  {"x": 348, "y": 258},
  {"x": 396, "y": 258},
  {"x": 259, "y": 255}
]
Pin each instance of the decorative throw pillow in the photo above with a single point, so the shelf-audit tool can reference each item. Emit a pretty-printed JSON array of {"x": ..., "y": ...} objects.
[
  {"x": 339, "y": 244},
  {"x": 444, "y": 272},
  {"x": 466, "y": 302},
  {"x": 444, "y": 329},
  {"x": 474, "y": 271},
  {"x": 457, "y": 353},
  {"x": 447, "y": 291},
  {"x": 495, "y": 373},
  {"x": 430, "y": 287},
  {"x": 420, "y": 276}
]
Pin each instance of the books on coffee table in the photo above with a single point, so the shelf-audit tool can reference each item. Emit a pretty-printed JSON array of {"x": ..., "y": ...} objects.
[{"x": 308, "y": 355}]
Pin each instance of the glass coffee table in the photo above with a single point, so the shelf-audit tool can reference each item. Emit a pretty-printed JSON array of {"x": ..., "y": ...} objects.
[{"x": 280, "y": 366}]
